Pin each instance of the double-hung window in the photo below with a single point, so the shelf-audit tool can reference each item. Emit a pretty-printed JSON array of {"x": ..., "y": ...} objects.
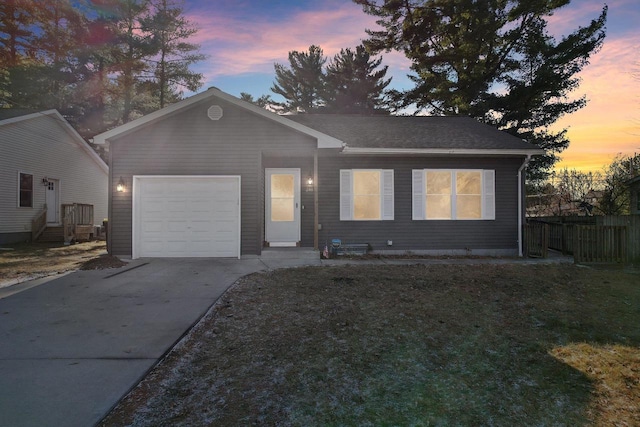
[
  {"x": 366, "y": 194},
  {"x": 25, "y": 190},
  {"x": 459, "y": 194}
]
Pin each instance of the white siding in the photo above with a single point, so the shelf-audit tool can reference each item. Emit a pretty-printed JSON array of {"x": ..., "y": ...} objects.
[{"x": 45, "y": 146}]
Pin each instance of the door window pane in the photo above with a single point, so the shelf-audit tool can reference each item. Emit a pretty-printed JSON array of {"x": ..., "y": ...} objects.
[
  {"x": 282, "y": 210},
  {"x": 282, "y": 197},
  {"x": 282, "y": 186}
]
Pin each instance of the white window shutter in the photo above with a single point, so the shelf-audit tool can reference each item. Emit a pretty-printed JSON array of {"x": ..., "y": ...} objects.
[
  {"x": 345, "y": 194},
  {"x": 387, "y": 194},
  {"x": 488, "y": 194},
  {"x": 418, "y": 195}
]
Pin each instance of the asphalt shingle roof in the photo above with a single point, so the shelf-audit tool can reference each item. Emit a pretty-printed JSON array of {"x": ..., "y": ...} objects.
[{"x": 359, "y": 131}]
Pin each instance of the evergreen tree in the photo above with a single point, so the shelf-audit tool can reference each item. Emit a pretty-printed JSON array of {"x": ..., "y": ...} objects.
[
  {"x": 61, "y": 27},
  {"x": 302, "y": 84},
  {"x": 170, "y": 30},
  {"x": 263, "y": 101},
  {"x": 353, "y": 85},
  {"x": 133, "y": 47},
  {"x": 39, "y": 44},
  {"x": 95, "y": 91},
  {"x": 492, "y": 60},
  {"x": 16, "y": 32}
]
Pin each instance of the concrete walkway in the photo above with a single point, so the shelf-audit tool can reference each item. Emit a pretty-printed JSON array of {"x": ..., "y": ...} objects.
[{"x": 70, "y": 348}]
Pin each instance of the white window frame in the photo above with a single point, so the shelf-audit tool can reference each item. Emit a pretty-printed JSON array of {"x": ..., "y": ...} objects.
[
  {"x": 386, "y": 194},
  {"x": 33, "y": 185},
  {"x": 419, "y": 196}
]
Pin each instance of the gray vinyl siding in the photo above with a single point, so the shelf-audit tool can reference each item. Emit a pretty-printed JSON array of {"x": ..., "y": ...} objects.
[
  {"x": 44, "y": 146},
  {"x": 189, "y": 143},
  {"x": 500, "y": 234}
]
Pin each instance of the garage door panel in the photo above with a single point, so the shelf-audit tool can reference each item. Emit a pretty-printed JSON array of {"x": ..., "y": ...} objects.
[{"x": 187, "y": 217}]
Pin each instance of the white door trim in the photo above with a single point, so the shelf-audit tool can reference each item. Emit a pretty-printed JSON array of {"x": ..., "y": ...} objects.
[
  {"x": 297, "y": 223},
  {"x": 135, "y": 214}
]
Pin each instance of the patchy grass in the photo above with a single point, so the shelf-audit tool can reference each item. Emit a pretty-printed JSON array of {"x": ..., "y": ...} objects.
[
  {"x": 615, "y": 372},
  {"x": 33, "y": 260},
  {"x": 406, "y": 345}
]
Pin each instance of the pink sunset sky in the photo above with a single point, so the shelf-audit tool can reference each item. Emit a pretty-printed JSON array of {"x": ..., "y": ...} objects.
[{"x": 244, "y": 38}]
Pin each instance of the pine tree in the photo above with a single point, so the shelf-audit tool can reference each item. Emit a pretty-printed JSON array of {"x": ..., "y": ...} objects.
[
  {"x": 132, "y": 48},
  {"x": 16, "y": 32},
  {"x": 353, "y": 85},
  {"x": 170, "y": 30},
  {"x": 493, "y": 60},
  {"x": 263, "y": 101},
  {"x": 302, "y": 84}
]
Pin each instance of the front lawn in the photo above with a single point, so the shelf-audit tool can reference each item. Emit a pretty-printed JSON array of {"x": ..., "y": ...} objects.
[{"x": 406, "y": 345}]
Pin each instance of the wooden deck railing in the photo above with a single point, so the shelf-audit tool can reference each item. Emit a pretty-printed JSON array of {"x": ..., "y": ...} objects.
[
  {"x": 38, "y": 224},
  {"x": 77, "y": 221},
  {"x": 536, "y": 240}
]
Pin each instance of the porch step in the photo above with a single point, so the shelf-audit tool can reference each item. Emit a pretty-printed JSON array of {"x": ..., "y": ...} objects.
[
  {"x": 290, "y": 253},
  {"x": 52, "y": 234}
]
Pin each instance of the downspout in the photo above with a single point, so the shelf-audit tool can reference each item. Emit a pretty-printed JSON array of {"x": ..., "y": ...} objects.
[
  {"x": 520, "y": 185},
  {"x": 315, "y": 201}
]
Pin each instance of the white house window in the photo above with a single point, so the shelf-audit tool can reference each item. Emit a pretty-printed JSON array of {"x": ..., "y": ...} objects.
[
  {"x": 366, "y": 194},
  {"x": 25, "y": 190},
  {"x": 453, "y": 194}
]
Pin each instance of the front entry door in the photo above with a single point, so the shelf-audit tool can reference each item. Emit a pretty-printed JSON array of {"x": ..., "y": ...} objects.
[
  {"x": 282, "y": 207},
  {"x": 52, "y": 199}
]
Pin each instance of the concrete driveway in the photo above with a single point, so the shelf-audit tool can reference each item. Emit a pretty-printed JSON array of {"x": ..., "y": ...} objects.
[{"x": 71, "y": 348}]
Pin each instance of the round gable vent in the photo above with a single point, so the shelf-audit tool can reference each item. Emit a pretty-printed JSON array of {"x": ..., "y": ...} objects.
[{"x": 214, "y": 112}]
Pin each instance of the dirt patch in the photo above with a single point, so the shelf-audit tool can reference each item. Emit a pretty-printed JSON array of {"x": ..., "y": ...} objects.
[
  {"x": 398, "y": 345},
  {"x": 29, "y": 261},
  {"x": 102, "y": 262}
]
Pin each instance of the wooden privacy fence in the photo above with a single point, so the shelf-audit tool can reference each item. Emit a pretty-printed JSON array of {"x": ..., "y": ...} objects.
[
  {"x": 561, "y": 237},
  {"x": 77, "y": 221},
  {"x": 600, "y": 243},
  {"x": 600, "y": 238},
  {"x": 632, "y": 223}
]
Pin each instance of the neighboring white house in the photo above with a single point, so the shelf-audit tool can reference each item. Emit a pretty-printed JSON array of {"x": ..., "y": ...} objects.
[{"x": 45, "y": 162}]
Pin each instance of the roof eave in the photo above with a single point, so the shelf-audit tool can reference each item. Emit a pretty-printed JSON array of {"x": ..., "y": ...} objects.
[{"x": 442, "y": 151}]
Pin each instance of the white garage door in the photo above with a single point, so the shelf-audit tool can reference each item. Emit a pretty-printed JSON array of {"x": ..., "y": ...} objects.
[{"x": 186, "y": 216}]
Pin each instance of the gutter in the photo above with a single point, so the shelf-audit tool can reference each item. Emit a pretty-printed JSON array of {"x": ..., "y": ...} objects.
[
  {"x": 358, "y": 151},
  {"x": 520, "y": 185}
]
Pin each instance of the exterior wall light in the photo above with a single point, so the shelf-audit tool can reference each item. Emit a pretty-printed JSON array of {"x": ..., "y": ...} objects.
[
  {"x": 121, "y": 186},
  {"x": 309, "y": 184}
]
